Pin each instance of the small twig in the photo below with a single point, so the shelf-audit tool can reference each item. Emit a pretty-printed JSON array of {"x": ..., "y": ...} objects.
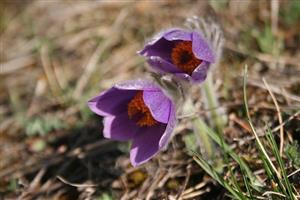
[
  {"x": 293, "y": 173},
  {"x": 16, "y": 64},
  {"x": 156, "y": 178},
  {"x": 279, "y": 116},
  {"x": 240, "y": 122},
  {"x": 197, "y": 187},
  {"x": 37, "y": 179},
  {"x": 274, "y": 89},
  {"x": 275, "y": 193},
  {"x": 47, "y": 66},
  {"x": 262, "y": 133},
  {"x": 286, "y": 121},
  {"x": 76, "y": 184},
  {"x": 266, "y": 58},
  {"x": 195, "y": 194},
  {"x": 185, "y": 182}
]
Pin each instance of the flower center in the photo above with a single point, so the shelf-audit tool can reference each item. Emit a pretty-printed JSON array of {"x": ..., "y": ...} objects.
[
  {"x": 183, "y": 57},
  {"x": 138, "y": 111}
]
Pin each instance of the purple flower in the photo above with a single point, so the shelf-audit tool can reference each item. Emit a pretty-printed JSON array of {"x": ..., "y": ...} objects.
[
  {"x": 138, "y": 111},
  {"x": 183, "y": 53}
]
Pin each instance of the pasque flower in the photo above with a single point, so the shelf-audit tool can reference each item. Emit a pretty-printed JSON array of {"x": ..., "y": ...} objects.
[
  {"x": 138, "y": 111},
  {"x": 186, "y": 54}
]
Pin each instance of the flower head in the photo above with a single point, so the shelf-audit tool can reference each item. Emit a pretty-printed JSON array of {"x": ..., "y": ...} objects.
[
  {"x": 186, "y": 54},
  {"x": 138, "y": 111}
]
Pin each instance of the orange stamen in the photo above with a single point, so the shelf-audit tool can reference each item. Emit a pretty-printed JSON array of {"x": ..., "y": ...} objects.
[
  {"x": 137, "y": 107},
  {"x": 183, "y": 57}
]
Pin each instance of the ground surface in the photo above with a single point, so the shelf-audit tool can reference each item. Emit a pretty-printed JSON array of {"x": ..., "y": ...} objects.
[{"x": 55, "y": 55}]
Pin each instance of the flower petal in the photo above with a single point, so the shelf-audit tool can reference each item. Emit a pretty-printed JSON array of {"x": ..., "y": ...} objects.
[
  {"x": 201, "y": 48},
  {"x": 170, "y": 34},
  {"x": 178, "y": 34},
  {"x": 119, "y": 127},
  {"x": 200, "y": 73},
  {"x": 161, "y": 48},
  {"x": 146, "y": 144},
  {"x": 163, "y": 43},
  {"x": 158, "y": 104},
  {"x": 170, "y": 127},
  {"x": 111, "y": 102},
  {"x": 162, "y": 65}
]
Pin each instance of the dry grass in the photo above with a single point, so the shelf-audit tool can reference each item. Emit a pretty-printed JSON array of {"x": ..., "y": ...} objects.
[{"x": 57, "y": 54}]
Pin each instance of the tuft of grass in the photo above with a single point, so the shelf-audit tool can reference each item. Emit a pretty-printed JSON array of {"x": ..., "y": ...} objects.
[
  {"x": 189, "y": 140},
  {"x": 105, "y": 196},
  {"x": 217, "y": 176},
  {"x": 291, "y": 13},
  {"x": 277, "y": 184},
  {"x": 286, "y": 185},
  {"x": 267, "y": 41},
  {"x": 293, "y": 153},
  {"x": 211, "y": 102},
  {"x": 13, "y": 184},
  {"x": 219, "y": 5},
  {"x": 43, "y": 125},
  {"x": 277, "y": 176},
  {"x": 205, "y": 143}
]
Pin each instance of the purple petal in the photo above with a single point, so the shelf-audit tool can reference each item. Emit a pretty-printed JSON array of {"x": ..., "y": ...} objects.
[
  {"x": 163, "y": 43},
  {"x": 202, "y": 49},
  {"x": 137, "y": 85},
  {"x": 119, "y": 127},
  {"x": 146, "y": 144},
  {"x": 170, "y": 127},
  {"x": 161, "y": 48},
  {"x": 178, "y": 34},
  {"x": 170, "y": 34},
  {"x": 158, "y": 104},
  {"x": 162, "y": 65},
  {"x": 200, "y": 73},
  {"x": 111, "y": 102}
]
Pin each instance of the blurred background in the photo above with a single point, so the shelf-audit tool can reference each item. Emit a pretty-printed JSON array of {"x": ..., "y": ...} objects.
[{"x": 57, "y": 54}]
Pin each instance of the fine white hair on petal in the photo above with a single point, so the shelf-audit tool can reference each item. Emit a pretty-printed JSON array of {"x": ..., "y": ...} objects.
[
  {"x": 138, "y": 84},
  {"x": 210, "y": 30},
  {"x": 171, "y": 87}
]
